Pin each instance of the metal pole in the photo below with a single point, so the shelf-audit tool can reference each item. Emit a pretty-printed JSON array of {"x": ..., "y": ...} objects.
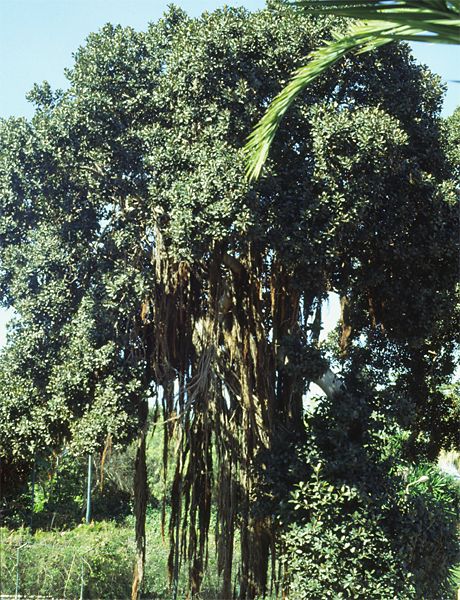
[
  {"x": 88, "y": 491},
  {"x": 32, "y": 503},
  {"x": 16, "y": 594},
  {"x": 17, "y": 573},
  {"x": 87, "y": 519}
]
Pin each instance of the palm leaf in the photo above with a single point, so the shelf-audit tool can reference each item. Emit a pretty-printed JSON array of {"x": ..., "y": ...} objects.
[{"x": 433, "y": 21}]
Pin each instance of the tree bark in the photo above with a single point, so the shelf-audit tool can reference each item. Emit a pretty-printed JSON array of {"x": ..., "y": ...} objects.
[{"x": 330, "y": 383}]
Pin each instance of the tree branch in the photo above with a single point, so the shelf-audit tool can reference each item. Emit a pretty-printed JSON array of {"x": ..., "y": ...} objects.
[
  {"x": 232, "y": 263},
  {"x": 330, "y": 383}
]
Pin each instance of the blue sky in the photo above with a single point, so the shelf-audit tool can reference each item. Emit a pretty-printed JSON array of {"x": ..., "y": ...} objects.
[{"x": 38, "y": 37}]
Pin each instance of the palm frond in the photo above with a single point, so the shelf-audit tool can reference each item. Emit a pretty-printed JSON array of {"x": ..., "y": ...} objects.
[
  {"x": 432, "y": 21},
  {"x": 375, "y": 9},
  {"x": 260, "y": 140}
]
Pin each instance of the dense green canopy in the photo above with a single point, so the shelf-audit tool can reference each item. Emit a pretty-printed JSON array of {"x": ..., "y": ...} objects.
[
  {"x": 144, "y": 268},
  {"x": 380, "y": 22}
]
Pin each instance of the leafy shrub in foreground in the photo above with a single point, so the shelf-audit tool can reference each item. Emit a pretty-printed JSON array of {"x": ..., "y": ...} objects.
[{"x": 361, "y": 523}]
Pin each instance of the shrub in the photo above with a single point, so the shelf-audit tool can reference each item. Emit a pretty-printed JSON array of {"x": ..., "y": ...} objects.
[
  {"x": 341, "y": 549},
  {"x": 356, "y": 520}
]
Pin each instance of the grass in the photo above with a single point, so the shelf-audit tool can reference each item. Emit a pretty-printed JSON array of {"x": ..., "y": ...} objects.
[{"x": 51, "y": 563}]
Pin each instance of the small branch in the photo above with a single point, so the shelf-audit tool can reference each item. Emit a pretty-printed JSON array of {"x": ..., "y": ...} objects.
[
  {"x": 95, "y": 169},
  {"x": 317, "y": 321}
]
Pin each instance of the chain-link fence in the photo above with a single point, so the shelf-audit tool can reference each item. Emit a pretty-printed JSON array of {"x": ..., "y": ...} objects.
[
  {"x": 49, "y": 548},
  {"x": 92, "y": 562},
  {"x": 66, "y": 570}
]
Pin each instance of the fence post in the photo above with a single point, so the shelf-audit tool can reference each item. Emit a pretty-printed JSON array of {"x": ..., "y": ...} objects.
[
  {"x": 32, "y": 500},
  {"x": 88, "y": 518},
  {"x": 16, "y": 594},
  {"x": 88, "y": 490}
]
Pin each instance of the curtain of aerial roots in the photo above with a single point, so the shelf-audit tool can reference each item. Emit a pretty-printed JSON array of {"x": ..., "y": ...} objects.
[{"x": 216, "y": 357}]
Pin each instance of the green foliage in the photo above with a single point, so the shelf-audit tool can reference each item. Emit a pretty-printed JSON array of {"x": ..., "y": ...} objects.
[
  {"x": 361, "y": 523},
  {"x": 107, "y": 169},
  {"x": 451, "y": 132},
  {"x": 50, "y": 563},
  {"x": 455, "y": 576},
  {"x": 144, "y": 268},
  {"x": 386, "y": 21},
  {"x": 59, "y": 492},
  {"x": 429, "y": 527},
  {"x": 61, "y": 483},
  {"x": 342, "y": 552}
]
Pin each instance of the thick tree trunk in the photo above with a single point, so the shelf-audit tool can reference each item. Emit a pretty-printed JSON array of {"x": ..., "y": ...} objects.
[
  {"x": 330, "y": 383},
  {"x": 140, "y": 508}
]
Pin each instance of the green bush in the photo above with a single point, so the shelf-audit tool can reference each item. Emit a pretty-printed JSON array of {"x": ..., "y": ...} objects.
[
  {"x": 346, "y": 544},
  {"x": 356, "y": 521},
  {"x": 59, "y": 492},
  {"x": 339, "y": 548}
]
